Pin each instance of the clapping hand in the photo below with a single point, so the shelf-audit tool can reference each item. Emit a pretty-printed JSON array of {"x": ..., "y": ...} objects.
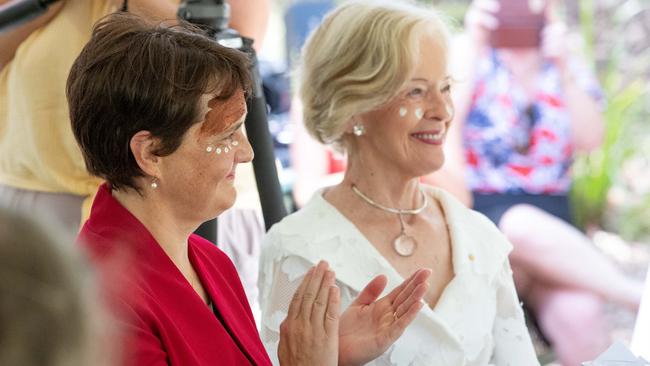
[
  {"x": 309, "y": 333},
  {"x": 369, "y": 326}
]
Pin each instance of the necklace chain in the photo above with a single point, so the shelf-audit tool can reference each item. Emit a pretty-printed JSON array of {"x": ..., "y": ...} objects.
[
  {"x": 403, "y": 244},
  {"x": 396, "y": 211}
]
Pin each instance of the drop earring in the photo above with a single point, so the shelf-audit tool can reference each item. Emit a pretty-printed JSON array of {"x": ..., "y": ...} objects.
[
  {"x": 358, "y": 129},
  {"x": 154, "y": 183}
]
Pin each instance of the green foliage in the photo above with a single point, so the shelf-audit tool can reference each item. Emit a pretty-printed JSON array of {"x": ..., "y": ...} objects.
[
  {"x": 453, "y": 9},
  {"x": 594, "y": 173},
  {"x": 632, "y": 224},
  {"x": 625, "y": 90}
]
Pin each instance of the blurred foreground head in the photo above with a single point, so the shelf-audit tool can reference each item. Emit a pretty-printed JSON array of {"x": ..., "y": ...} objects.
[{"x": 49, "y": 315}]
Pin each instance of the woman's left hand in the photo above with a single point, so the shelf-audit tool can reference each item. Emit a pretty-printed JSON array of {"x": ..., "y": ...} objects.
[
  {"x": 309, "y": 334},
  {"x": 369, "y": 326}
]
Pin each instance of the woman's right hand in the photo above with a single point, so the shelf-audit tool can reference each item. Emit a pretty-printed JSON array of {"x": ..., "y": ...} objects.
[
  {"x": 369, "y": 326},
  {"x": 309, "y": 335}
]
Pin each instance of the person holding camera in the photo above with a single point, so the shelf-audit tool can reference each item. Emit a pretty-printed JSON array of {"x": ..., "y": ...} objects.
[{"x": 525, "y": 104}]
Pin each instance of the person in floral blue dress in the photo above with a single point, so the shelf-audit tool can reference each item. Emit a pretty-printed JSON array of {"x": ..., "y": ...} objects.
[{"x": 521, "y": 115}]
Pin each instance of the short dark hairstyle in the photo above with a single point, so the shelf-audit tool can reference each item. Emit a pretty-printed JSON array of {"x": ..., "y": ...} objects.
[{"x": 134, "y": 76}]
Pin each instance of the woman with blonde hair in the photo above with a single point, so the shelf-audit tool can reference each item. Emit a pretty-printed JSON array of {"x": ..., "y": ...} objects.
[{"x": 375, "y": 84}]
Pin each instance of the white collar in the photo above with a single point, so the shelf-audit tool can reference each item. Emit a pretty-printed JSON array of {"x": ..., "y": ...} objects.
[{"x": 477, "y": 245}]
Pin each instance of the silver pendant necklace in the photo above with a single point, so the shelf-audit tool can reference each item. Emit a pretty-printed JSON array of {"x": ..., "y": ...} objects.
[{"x": 403, "y": 244}]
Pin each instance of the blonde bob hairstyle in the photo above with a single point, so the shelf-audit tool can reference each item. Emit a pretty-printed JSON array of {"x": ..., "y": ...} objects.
[{"x": 359, "y": 58}]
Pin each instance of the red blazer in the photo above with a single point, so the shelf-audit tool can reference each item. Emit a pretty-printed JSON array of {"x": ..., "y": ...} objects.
[{"x": 165, "y": 322}]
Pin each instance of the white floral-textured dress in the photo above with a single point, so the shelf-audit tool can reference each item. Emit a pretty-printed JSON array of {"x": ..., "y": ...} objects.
[{"x": 477, "y": 321}]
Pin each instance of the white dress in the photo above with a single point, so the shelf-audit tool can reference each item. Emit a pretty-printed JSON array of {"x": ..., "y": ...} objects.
[{"x": 477, "y": 321}]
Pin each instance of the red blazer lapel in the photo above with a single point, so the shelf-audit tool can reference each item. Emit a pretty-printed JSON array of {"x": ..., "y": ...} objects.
[{"x": 225, "y": 284}]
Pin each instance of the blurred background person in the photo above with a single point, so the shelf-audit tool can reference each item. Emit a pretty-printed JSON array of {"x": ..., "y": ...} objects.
[
  {"x": 41, "y": 169},
  {"x": 374, "y": 83},
  {"x": 525, "y": 104},
  {"x": 49, "y": 311}
]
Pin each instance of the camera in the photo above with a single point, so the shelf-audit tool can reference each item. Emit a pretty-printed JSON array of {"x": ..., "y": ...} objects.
[{"x": 519, "y": 25}]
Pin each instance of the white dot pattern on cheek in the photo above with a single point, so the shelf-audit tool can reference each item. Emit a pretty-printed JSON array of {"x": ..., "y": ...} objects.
[
  {"x": 419, "y": 113},
  {"x": 224, "y": 148},
  {"x": 402, "y": 112}
]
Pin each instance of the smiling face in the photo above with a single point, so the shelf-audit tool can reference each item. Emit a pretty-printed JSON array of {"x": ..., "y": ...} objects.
[
  {"x": 197, "y": 179},
  {"x": 406, "y": 134}
]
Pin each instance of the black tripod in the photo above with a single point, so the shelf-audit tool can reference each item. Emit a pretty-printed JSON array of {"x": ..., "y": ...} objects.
[{"x": 215, "y": 15}]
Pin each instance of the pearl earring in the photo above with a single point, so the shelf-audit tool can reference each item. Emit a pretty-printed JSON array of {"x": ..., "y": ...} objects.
[
  {"x": 358, "y": 129},
  {"x": 419, "y": 113},
  {"x": 154, "y": 183},
  {"x": 402, "y": 112}
]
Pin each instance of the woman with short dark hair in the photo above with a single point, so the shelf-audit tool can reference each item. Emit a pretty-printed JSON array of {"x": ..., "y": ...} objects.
[{"x": 158, "y": 113}]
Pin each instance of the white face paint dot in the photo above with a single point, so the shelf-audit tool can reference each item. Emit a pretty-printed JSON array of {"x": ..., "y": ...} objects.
[
  {"x": 218, "y": 151},
  {"x": 225, "y": 149},
  {"x": 402, "y": 111},
  {"x": 419, "y": 113},
  {"x": 235, "y": 143},
  {"x": 209, "y": 149}
]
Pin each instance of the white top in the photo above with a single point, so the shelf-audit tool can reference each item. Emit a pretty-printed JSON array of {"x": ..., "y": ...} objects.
[{"x": 477, "y": 321}]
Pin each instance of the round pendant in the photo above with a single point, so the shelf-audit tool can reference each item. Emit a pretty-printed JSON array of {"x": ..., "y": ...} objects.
[{"x": 404, "y": 245}]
